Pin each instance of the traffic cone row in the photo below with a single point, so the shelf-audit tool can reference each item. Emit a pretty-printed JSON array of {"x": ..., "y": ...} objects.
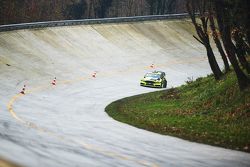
[
  {"x": 52, "y": 83},
  {"x": 54, "y": 80},
  {"x": 24, "y": 87}
]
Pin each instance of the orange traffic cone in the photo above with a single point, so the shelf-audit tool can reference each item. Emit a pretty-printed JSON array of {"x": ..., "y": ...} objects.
[
  {"x": 23, "y": 90},
  {"x": 94, "y": 75},
  {"x": 54, "y": 82}
]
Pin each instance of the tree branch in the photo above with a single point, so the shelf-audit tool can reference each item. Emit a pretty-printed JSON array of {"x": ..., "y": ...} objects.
[{"x": 198, "y": 40}]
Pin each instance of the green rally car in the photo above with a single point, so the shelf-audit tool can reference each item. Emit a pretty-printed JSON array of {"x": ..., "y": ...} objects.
[{"x": 154, "y": 79}]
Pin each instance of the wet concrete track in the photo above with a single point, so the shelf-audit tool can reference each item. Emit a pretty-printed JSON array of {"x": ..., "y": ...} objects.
[{"x": 65, "y": 125}]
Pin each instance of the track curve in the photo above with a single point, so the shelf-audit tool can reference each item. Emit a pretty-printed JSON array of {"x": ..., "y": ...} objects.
[{"x": 65, "y": 125}]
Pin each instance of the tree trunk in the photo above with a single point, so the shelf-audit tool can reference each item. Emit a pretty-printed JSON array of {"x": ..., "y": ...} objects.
[
  {"x": 242, "y": 59},
  {"x": 243, "y": 81},
  {"x": 218, "y": 44},
  {"x": 240, "y": 51},
  {"x": 213, "y": 63}
]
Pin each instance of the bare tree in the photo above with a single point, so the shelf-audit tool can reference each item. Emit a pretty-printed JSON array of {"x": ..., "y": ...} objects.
[
  {"x": 225, "y": 23},
  {"x": 215, "y": 35},
  {"x": 202, "y": 32}
]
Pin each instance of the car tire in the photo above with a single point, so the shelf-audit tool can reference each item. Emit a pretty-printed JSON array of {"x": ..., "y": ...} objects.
[{"x": 165, "y": 84}]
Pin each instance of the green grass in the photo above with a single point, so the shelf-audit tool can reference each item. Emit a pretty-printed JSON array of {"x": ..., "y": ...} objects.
[{"x": 204, "y": 111}]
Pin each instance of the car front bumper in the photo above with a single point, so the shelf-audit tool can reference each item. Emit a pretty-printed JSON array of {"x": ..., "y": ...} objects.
[{"x": 151, "y": 84}]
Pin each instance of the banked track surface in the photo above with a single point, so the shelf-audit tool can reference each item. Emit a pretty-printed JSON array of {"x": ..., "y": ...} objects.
[{"x": 66, "y": 125}]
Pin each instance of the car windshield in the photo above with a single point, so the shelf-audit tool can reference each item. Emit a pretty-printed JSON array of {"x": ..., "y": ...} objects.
[{"x": 152, "y": 75}]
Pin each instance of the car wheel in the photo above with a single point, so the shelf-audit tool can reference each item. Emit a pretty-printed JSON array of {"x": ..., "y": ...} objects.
[{"x": 165, "y": 84}]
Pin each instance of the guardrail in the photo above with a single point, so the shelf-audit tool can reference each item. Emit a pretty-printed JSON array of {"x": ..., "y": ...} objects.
[{"x": 11, "y": 27}]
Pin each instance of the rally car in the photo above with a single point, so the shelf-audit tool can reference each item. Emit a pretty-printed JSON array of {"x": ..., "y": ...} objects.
[{"x": 154, "y": 79}]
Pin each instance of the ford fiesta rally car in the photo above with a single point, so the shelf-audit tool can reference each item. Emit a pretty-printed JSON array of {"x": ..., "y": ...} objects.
[{"x": 154, "y": 79}]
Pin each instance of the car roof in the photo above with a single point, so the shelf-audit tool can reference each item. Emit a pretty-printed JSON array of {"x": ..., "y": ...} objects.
[{"x": 157, "y": 72}]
